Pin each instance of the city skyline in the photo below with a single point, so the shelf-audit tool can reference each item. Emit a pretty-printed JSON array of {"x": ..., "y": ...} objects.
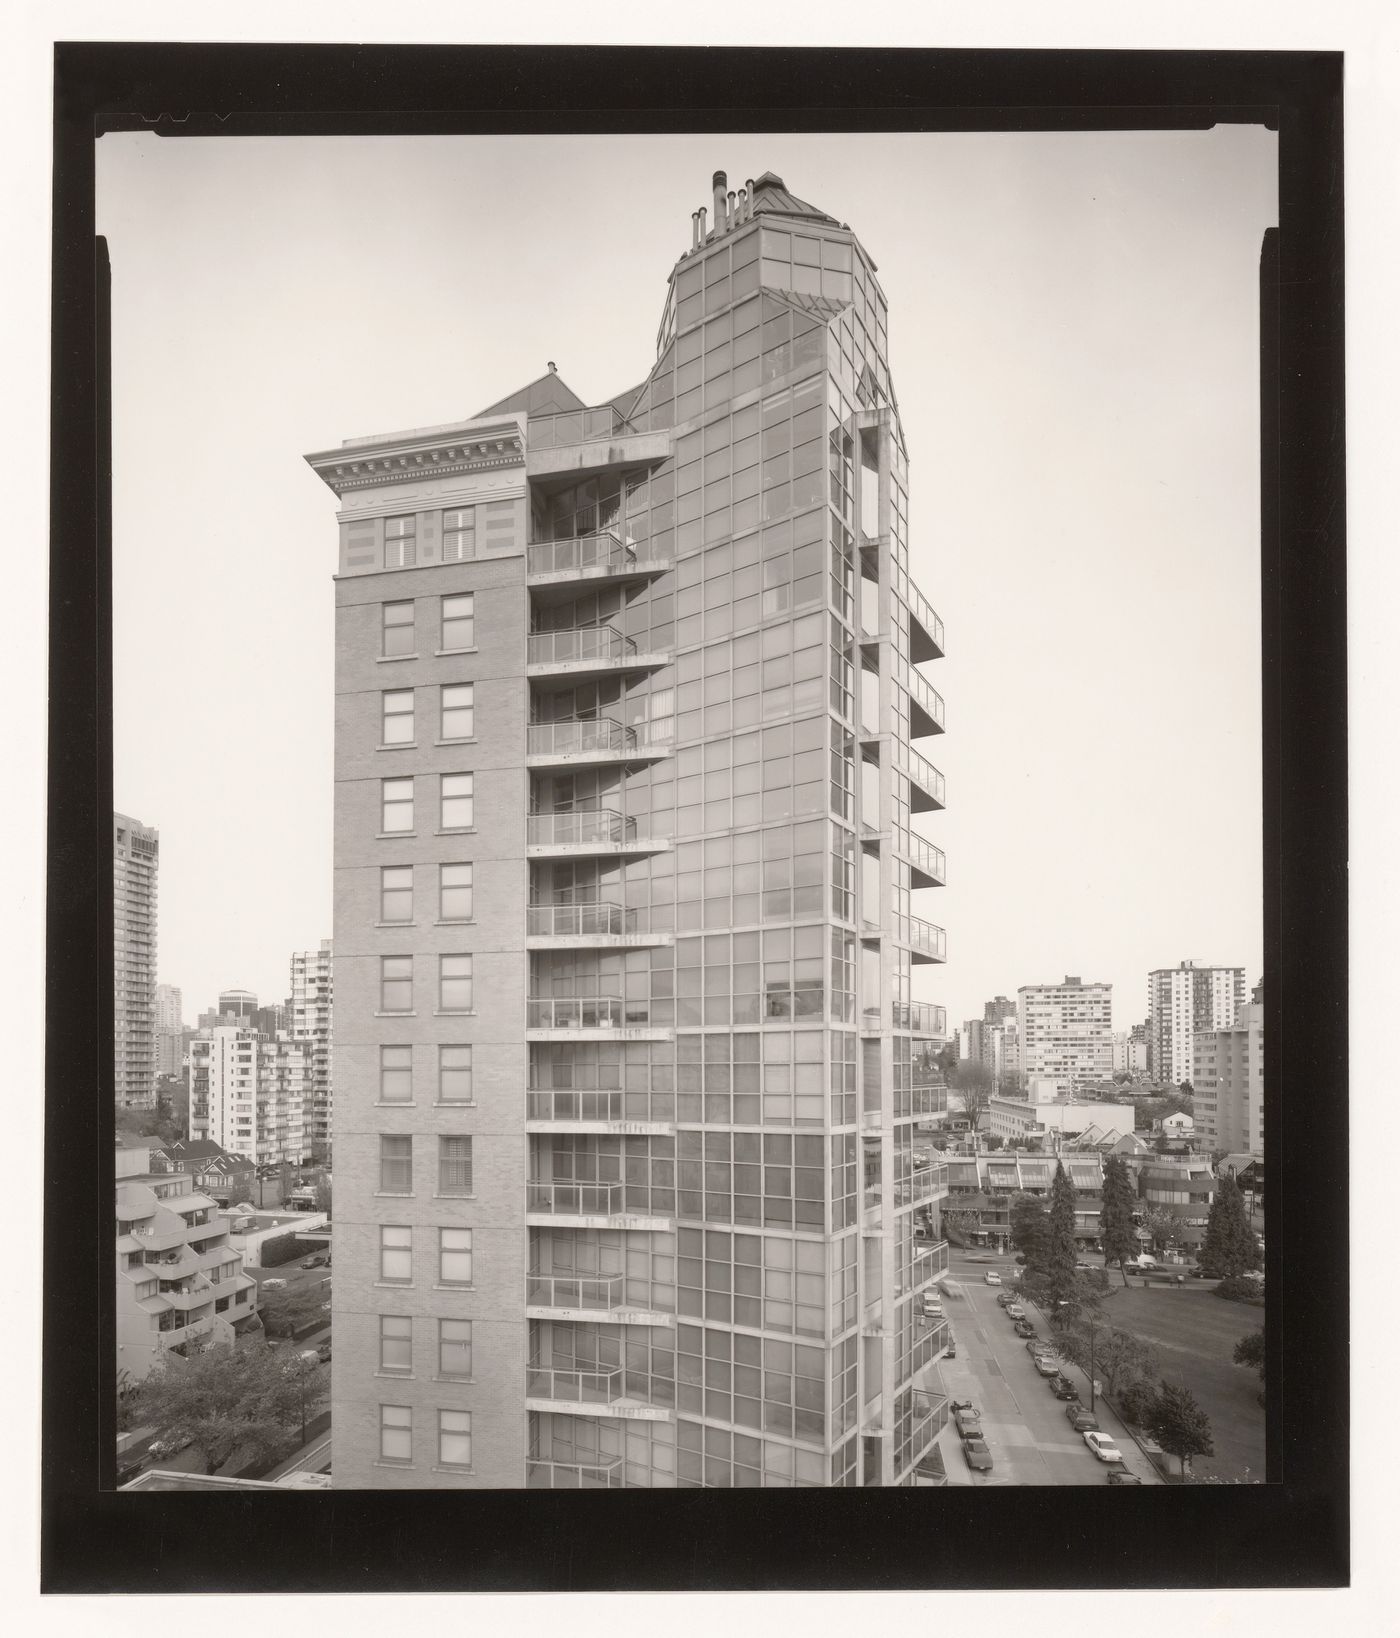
[{"x": 1077, "y": 268}]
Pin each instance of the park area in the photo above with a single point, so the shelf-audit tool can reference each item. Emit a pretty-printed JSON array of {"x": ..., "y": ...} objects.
[{"x": 1194, "y": 1333}]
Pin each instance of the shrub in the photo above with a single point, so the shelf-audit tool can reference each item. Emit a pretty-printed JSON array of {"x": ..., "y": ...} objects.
[
  {"x": 281, "y": 1249},
  {"x": 1135, "y": 1401},
  {"x": 1240, "y": 1288}
]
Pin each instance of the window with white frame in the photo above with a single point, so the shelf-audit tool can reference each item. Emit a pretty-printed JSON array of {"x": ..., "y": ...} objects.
[
  {"x": 396, "y": 806},
  {"x": 396, "y": 1433},
  {"x": 398, "y": 632},
  {"x": 459, "y": 534},
  {"x": 395, "y": 1253},
  {"x": 458, "y": 710},
  {"x": 396, "y": 1074},
  {"x": 454, "y": 1438},
  {"x": 454, "y": 983},
  {"x": 395, "y": 1163},
  {"x": 396, "y": 983},
  {"x": 457, "y": 801},
  {"x": 459, "y": 621},
  {"x": 400, "y": 542},
  {"x": 454, "y": 1256},
  {"x": 397, "y": 719},
  {"x": 455, "y": 892},
  {"x": 454, "y": 1165},
  {"x": 454, "y": 1074},
  {"x": 455, "y": 1348},
  {"x": 396, "y": 1343},
  {"x": 396, "y": 893}
]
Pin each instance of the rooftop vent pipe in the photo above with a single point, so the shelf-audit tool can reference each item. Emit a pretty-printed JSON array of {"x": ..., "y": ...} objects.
[{"x": 719, "y": 184}]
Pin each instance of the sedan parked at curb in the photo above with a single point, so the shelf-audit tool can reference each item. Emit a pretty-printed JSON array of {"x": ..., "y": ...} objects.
[
  {"x": 1080, "y": 1420},
  {"x": 1120, "y": 1475},
  {"x": 978, "y": 1456},
  {"x": 1005, "y": 1298},
  {"x": 1103, "y": 1447},
  {"x": 1046, "y": 1364},
  {"x": 968, "y": 1420}
]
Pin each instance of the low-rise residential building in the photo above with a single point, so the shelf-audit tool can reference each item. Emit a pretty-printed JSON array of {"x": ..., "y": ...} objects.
[
  {"x": 180, "y": 1282},
  {"x": 226, "y": 1178},
  {"x": 982, "y": 1188},
  {"x": 1017, "y": 1120},
  {"x": 1183, "y": 1185}
]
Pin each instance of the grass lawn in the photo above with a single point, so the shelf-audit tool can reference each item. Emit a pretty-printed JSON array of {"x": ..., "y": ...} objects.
[{"x": 1194, "y": 1333}]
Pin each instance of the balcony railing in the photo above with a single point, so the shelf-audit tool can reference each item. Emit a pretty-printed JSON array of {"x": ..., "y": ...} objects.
[
  {"x": 920, "y": 1016},
  {"x": 924, "y": 697},
  {"x": 584, "y": 1012},
  {"x": 925, "y": 858},
  {"x": 576, "y": 1199},
  {"x": 929, "y": 1183},
  {"x": 597, "y": 1293},
  {"x": 579, "y": 643},
  {"x": 574, "y": 737},
  {"x": 930, "y": 1098},
  {"x": 604, "y": 550},
  {"x": 573, "y": 427},
  {"x": 924, "y": 779},
  {"x": 602, "y": 1473},
  {"x": 928, "y": 1265},
  {"x": 576, "y": 1387},
  {"x": 921, "y": 614},
  {"x": 927, "y": 940},
  {"x": 598, "y": 826},
  {"x": 579, "y": 921},
  {"x": 568, "y": 1105}
]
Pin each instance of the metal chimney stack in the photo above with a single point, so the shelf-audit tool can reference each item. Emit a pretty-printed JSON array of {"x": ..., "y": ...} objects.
[{"x": 719, "y": 184}]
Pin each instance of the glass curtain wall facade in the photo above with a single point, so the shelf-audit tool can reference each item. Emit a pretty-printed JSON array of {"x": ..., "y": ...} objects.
[{"x": 721, "y": 1231}]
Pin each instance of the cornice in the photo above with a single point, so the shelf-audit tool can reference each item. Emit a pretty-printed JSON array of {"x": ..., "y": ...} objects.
[{"x": 401, "y": 460}]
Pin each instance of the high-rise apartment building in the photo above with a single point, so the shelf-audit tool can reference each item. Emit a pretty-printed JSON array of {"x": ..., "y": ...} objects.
[
  {"x": 1182, "y": 1000},
  {"x": 248, "y": 1093},
  {"x": 1001, "y": 1052},
  {"x": 1000, "y": 1010},
  {"x": 135, "y": 861},
  {"x": 1065, "y": 1033},
  {"x": 1227, "y": 1074},
  {"x": 628, "y": 1056},
  {"x": 170, "y": 1030},
  {"x": 312, "y": 990}
]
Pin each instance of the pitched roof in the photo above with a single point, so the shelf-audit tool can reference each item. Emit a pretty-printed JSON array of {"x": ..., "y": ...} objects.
[
  {"x": 771, "y": 197},
  {"x": 549, "y": 394}
]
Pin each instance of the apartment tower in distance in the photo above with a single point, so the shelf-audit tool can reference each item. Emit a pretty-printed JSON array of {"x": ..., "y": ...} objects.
[
  {"x": 135, "y": 862},
  {"x": 311, "y": 1025},
  {"x": 628, "y": 1056},
  {"x": 1227, "y": 1074},
  {"x": 1065, "y": 1033},
  {"x": 1181, "y": 1001}
]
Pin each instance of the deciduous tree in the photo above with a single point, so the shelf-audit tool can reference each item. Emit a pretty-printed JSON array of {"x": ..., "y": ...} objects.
[
  {"x": 287, "y": 1309},
  {"x": 1179, "y": 1424},
  {"x": 1249, "y": 1350}
]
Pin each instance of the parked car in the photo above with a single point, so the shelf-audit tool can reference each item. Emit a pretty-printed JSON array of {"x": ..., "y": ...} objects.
[
  {"x": 171, "y": 1445},
  {"x": 968, "y": 1419},
  {"x": 1024, "y": 1328},
  {"x": 1005, "y": 1298},
  {"x": 318, "y": 1259},
  {"x": 978, "y": 1456},
  {"x": 1120, "y": 1475},
  {"x": 1038, "y": 1346},
  {"x": 1103, "y": 1447},
  {"x": 273, "y": 1285},
  {"x": 1047, "y": 1364},
  {"x": 1063, "y": 1388},
  {"x": 1080, "y": 1420},
  {"x": 930, "y": 1306},
  {"x": 1015, "y": 1310},
  {"x": 991, "y": 1277},
  {"x": 125, "y": 1475},
  {"x": 1199, "y": 1273}
]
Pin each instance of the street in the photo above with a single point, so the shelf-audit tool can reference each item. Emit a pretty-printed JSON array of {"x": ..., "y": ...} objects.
[{"x": 1030, "y": 1440}]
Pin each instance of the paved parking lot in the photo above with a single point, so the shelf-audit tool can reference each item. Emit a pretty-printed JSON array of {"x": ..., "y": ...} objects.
[{"x": 1024, "y": 1424}]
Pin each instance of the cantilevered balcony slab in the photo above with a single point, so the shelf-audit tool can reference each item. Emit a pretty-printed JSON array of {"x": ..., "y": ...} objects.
[
  {"x": 926, "y": 784},
  {"x": 925, "y": 628},
  {"x": 920, "y": 1017},
  {"x": 589, "y": 927},
  {"x": 599, "y": 833},
  {"x": 562, "y": 1109},
  {"x": 927, "y": 943},
  {"x": 927, "y": 865},
  {"x": 593, "y": 742},
  {"x": 590, "y": 1018},
  {"x": 599, "y": 1300},
  {"x": 588, "y": 1206},
  {"x": 603, "y": 452},
  {"x": 925, "y": 707},
  {"x": 556, "y": 570},
  {"x": 585, "y": 654}
]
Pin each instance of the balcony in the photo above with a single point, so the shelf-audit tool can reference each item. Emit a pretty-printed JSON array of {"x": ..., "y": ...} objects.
[
  {"x": 925, "y": 707},
  {"x": 920, "y": 1017},
  {"x": 926, "y": 942},
  {"x": 590, "y": 1018},
  {"x": 928, "y": 1183},
  {"x": 925, "y": 628},
  {"x": 599, "y": 1298},
  {"x": 929, "y": 1264},
  {"x": 926, "y": 786},
  {"x": 595, "y": 833},
  {"x": 558, "y": 569},
  {"x": 585, "y": 653},
  {"x": 583, "y": 742},
  {"x": 587, "y": 1393},
  {"x": 602, "y": 1473},
  {"x": 564, "y": 1110},
  {"x": 588, "y": 927},
  {"x": 927, "y": 865},
  {"x": 581, "y": 426},
  {"x": 580, "y": 443},
  {"x": 586, "y": 1205}
]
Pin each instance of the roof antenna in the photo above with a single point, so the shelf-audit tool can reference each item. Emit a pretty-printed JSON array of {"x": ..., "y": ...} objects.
[{"x": 552, "y": 366}]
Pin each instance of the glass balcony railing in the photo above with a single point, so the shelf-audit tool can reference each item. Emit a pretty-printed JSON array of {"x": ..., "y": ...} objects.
[
  {"x": 578, "y": 1387},
  {"x": 927, "y": 940},
  {"x": 576, "y": 829},
  {"x": 573, "y": 427},
  {"x": 580, "y": 643},
  {"x": 920, "y": 1016},
  {"x": 924, "y": 780},
  {"x": 930, "y": 1098},
  {"x": 579, "y": 920},
  {"x": 597, "y": 1293},
  {"x": 574, "y": 737},
  {"x": 922, "y": 615},
  {"x": 604, "y": 550},
  {"x": 584, "y": 1012},
  {"x": 568, "y": 1105},
  {"x": 925, "y": 858},
  {"x": 599, "y": 1473},
  {"x": 926, "y": 698},
  {"x": 929, "y": 1183},
  {"x": 929, "y": 1264},
  {"x": 575, "y": 1199}
]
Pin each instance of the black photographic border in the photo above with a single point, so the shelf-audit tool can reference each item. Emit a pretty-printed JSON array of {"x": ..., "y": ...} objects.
[{"x": 1292, "y": 1531}]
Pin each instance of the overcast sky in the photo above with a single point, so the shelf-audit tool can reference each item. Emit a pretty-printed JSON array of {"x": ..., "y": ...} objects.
[{"x": 1074, "y": 344}]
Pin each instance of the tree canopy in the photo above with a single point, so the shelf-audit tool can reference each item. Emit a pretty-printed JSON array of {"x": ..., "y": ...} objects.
[
  {"x": 1061, "y": 1278},
  {"x": 1179, "y": 1424},
  {"x": 1116, "y": 1231},
  {"x": 1249, "y": 1350},
  {"x": 1231, "y": 1246},
  {"x": 286, "y": 1310},
  {"x": 1117, "y": 1356},
  {"x": 1030, "y": 1230},
  {"x": 233, "y": 1400}
]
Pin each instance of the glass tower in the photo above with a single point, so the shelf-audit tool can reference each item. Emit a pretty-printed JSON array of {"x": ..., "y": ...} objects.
[{"x": 628, "y": 1058}]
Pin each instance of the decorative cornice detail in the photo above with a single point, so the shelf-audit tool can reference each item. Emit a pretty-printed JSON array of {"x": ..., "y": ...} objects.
[{"x": 410, "y": 459}]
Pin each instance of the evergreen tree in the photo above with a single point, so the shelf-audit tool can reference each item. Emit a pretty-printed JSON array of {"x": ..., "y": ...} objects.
[
  {"x": 1116, "y": 1214},
  {"x": 1062, "y": 1282},
  {"x": 1030, "y": 1229},
  {"x": 1179, "y": 1425},
  {"x": 1231, "y": 1246}
]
